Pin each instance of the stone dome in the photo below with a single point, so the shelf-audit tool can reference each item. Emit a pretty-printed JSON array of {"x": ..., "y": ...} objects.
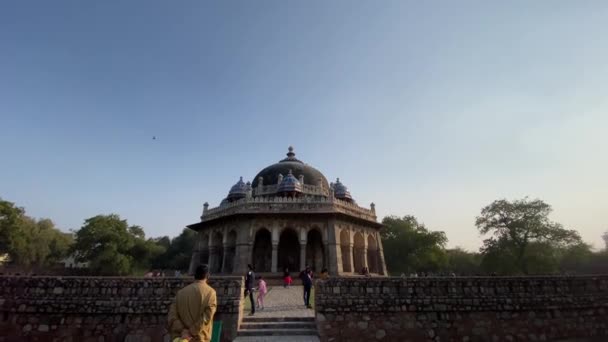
[
  {"x": 290, "y": 184},
  {"x": 238, "y": 190},
  {"x": 341, "y": 191},
  {"x": 298, "y": 168}
]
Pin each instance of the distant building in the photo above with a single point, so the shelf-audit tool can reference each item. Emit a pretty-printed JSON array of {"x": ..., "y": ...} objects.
[{"x": 289, "y": 217}]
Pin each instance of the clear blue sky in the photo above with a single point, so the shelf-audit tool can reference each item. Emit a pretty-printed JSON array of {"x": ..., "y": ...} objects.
[{"x": 431, "y": 108}]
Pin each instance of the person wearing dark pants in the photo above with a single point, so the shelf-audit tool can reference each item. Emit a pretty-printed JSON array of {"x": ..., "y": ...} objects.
[
  {"x": 306, "y": 277},
  {"x": 249, "y": 284}
]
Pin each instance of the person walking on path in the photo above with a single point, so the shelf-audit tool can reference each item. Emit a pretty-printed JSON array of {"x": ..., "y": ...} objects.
[
  {"x": 191, "y": 313},
  {"x": 249, "y": 283},
  {"x": 262, "y": 290},
  {"x": 306, "y": 277},
  {"x": 286, "y": 278}
]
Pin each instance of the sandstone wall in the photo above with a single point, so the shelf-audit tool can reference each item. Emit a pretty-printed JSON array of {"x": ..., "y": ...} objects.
[
  {"x": 463, "y": 309},
  {"x": 102, "y": 309}
]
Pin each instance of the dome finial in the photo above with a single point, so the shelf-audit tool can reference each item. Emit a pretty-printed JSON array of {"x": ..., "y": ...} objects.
[{"x": 290, "y": 154}]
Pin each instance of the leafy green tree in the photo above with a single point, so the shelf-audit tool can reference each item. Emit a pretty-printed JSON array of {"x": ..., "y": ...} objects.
[
  {"x": 30, "y": 243},
  {"x": 605, "y": 237},
  {"x": 523, "y": 239},
  {"x": 106, "y": 242},
  {"x": 463, "y": 262},
  {"x": 576, "y": 258},
  {"x": 10, "y": 219},
  {"x": 179, "y": 252},
  {"x": 410, "y": 247}
]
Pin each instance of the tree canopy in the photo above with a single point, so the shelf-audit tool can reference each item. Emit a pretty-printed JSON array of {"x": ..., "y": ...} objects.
[
  {"x": 112, "y": 247},
  {"x": 523, "y": 239},
  {"x": 410, "y": 247},
  {"x": 30, "y": 242}
]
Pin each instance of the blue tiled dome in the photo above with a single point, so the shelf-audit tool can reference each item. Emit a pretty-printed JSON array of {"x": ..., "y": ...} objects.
[
  {"x": 290, "y": 184},
  {"x": 238, "y": 190},
  {"x": 341, "y": 191}
]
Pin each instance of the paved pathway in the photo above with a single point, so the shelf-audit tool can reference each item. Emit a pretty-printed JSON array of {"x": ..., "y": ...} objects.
[{"x": 284, "y": 302}]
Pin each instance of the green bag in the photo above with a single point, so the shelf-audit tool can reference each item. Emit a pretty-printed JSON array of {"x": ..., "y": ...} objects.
[{"x": 216, "y": 333}]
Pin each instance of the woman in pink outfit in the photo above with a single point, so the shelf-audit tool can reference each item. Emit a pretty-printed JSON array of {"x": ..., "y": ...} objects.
[{"x": 261, "y": 293}]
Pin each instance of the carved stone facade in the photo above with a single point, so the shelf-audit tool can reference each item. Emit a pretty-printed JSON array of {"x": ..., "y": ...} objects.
[{"x": 288, "y": 218}]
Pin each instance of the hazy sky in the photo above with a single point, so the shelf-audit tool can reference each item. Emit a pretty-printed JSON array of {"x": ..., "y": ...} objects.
[{"x": 431, "y": 108}]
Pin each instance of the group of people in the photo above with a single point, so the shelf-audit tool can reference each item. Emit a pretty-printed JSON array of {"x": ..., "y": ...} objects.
[{"x": 191, "y": 313}]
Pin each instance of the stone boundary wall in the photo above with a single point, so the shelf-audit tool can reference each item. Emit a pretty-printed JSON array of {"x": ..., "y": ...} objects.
[
  {"x": 103, "y": 309},
  {"x": 463, "y": 309}
]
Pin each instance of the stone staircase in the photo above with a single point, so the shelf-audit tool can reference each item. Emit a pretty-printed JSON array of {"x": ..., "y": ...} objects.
[{"x": 278, "y": 326}]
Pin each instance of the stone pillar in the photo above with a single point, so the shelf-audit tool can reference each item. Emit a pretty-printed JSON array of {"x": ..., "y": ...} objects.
[
  {"x": 333, "y": 252},
  {"x": 275, "y": 248},
  {"x": 350, "y": 257},
  {"x": 243, "y": 257},
  {"x": 303, "y": 238},
  {"x": 212, "y": 257},
  {"x": 225, "y": 246},
  {"x": 302, "y": 255},
  {"x": 365, "y": 251},
  {"x": 275, "y": 258},
  {"x": 381, "y": 264}
]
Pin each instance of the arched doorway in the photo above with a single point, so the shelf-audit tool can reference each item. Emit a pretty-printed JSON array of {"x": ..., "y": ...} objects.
[
  {"x": 315, "y": 255},
  {"x": 204, "y": 249},
  {"x": 230, "y": 252},
  {"x": 372, "y": 254},
  {"x": 345, "y": 250},
  {"x": 289, "y": 250},
  {"x": 262, "y": 251},
  {"x": 358, "y": 252},
  {"x": 218, "y": 253}
]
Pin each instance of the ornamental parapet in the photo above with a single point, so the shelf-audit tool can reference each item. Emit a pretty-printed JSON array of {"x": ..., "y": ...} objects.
[{"x": 291, "y": 205}]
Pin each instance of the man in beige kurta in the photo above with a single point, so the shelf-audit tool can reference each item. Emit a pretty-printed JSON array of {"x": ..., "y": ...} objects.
[{"x": 191, "y": 314}]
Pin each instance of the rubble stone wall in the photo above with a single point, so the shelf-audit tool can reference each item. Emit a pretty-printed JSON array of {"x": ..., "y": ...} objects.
[
  {"x": 463, "y": 309},
  {"x": 102, "y": 309}
]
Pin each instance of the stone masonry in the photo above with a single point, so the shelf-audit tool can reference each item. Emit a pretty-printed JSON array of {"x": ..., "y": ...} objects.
[
  {"x": 102, "y": 309},
  {"x": 463, "y": 309}
]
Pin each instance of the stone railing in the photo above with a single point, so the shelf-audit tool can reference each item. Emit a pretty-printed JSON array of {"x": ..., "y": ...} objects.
[
  {"x": 463, "y": 309},
  {"x": 307, "y": 189},
  {"x": 290, "y": 205},
  {"x": 119, "y": 309}
]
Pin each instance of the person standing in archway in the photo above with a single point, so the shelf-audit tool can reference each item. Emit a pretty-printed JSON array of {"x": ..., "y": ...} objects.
[
  {"x": 249, "y": 285},
  {"x": 306, "y": 277}
]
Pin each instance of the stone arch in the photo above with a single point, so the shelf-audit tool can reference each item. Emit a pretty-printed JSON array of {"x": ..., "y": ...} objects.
[
  {"x": 230, "y": 251},
  {"x": 315, "y": 254},
  {"x": 204, "y": 249},
  {"x": 262, "y": 251},
  {"x": 372, "y": 254},
  {"x": 358, "y": 249},
  {"x": 289, "y": 250},
  {"x": 218, "y": 252},
  {"x": 345, "y": 250}
]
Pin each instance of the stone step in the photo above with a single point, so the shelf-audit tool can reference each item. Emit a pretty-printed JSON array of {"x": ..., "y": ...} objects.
[
  {"x": 278, "y": 325},
  {"x": 277, "y": 332},
  {"x": 277, "y": 319}
]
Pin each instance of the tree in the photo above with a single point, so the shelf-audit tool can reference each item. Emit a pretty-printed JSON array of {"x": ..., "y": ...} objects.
[
  {"x": 605, "y": 237},
  {"x": 410, "y": 247},
  {"x": 29, "y": 242},
  {"x": 106, "y": 242},
  {"x": 179, "y": 252},
  {"x": 10, "y": 219},
  {"x": 523, "y": 238},
  {"x": 463, "y": 262}
]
